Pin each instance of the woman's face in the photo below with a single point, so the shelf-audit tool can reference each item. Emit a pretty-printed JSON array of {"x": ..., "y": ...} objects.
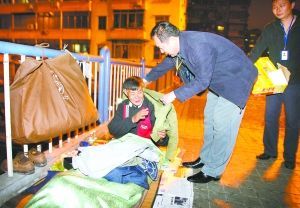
[{"x": 282, "y": 8}]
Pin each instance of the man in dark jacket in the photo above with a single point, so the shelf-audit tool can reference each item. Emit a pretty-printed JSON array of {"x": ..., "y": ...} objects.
[
  {"x": 281, "y": 39},
  {"x": 135, "y": 114},
  {"x": 207, "y": 61},
  {"x": 142, "y": 113}
]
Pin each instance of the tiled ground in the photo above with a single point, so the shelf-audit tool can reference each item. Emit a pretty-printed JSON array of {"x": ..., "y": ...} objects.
[{"x": 246, "y": 182}]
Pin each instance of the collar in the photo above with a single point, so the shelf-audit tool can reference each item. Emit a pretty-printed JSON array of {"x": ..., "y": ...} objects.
[
  {"x": 296, "y": 21},
  {"x": 182, "y": 45},
  {"x": 132, "y": 105}
]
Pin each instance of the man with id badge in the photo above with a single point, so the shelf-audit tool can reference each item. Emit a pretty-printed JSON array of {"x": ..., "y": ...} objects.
[{"x": 281, "y": 40}]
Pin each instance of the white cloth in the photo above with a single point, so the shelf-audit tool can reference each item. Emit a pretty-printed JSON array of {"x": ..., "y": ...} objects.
[{"x": 97, "y": 161}]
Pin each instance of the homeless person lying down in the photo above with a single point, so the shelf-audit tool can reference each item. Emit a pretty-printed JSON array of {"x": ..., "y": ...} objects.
[
  {"x": 112, "y": 175},
  {"x": 117, "y": 173}
]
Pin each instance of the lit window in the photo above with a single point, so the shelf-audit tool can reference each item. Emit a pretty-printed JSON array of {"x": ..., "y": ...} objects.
[
  {"x": 77, "y": 46},
  {"x": 220, "y": 28}
]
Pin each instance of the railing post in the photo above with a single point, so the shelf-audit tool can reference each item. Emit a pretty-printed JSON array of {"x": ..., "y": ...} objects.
[
  {"x": 7, "y": 116},
  {"x": 103, "y": 87},
  {"x": 143, "y": 67}
]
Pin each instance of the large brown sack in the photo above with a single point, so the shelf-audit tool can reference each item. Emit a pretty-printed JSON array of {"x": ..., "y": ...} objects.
[{"x": 49, "y": 98}]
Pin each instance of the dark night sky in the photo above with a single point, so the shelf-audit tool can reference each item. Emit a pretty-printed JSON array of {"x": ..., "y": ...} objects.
[{"x": 261, "y": 13}]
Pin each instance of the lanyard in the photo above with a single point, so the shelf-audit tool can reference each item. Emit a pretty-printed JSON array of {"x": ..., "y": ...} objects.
[
  {"x": 178, "y": 62},
  {"x": 285, "y": 38}
]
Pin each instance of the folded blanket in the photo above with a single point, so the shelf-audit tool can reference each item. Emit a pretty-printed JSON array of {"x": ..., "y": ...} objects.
[{"x": 72, "y": 189}]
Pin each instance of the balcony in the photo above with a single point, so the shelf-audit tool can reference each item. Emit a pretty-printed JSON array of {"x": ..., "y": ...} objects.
[
  {"x": 79, "y": 34},
  {"x": 46, "y": 6},
  {"x": 128, "y": 34}
]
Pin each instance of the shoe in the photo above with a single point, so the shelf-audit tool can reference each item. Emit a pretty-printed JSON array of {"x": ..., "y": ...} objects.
[
  {"x": 289, "y": 165},
  {"x": 38, "y": 158},
  {"x": 21, "y": 164},
  {"x": 264, "y": 156},
  {"x": 202, "y": 178},
  {"x": 150, "y": 167},
  {"x": 194, "y": 164},
  {"x": 67, "y": 163}
]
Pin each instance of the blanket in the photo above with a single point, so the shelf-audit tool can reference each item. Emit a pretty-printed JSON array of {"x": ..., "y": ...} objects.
[
  {"x": 97, "y": 161},
  {"x": 72, "y": 189}
]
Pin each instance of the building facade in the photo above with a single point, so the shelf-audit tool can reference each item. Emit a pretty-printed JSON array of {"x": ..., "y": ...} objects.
[
  {"x": 87, "y": 26},
  {"x": 228, "y": 18}
]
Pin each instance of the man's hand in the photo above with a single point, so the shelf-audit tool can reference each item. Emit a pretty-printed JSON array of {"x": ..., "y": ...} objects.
[
  {"x": 168, "y": 98},
  {"x": 145, "y": 82},
  {"x": 140, "y": 115},
  {"x": 162, "y": 134}
]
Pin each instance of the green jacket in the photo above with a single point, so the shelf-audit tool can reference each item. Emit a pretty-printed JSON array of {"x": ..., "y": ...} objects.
[{"x": 166, "y": 119}]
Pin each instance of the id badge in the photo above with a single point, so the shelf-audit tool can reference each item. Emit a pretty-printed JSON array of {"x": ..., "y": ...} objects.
[{"x": 284, "y": 55}]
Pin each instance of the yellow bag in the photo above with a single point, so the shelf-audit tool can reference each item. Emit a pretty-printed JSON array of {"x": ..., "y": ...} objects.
[{"x": 270, "y": 80}]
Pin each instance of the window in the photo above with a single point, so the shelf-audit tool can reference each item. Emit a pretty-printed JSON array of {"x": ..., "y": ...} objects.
[
  {"x": 22, "y": 1},
  {"x": 48, "y": 20},
  {"x": 157, "y": 53},
  {"x": 102, "y": 22},
  {"x": 5, "y": 21},
  {"x": 128, "y": 18},
  {"x": 128, "y": 49},
  {"x": 26, "y": 42},
  {"x": 53, "y": 44},
  {"x": 25, "y": 21},
  {"x": 78, "y": 46},
  {"x": 160, "y": 18},
  {"x": 5, "y": 1},
  {"x": 238, "y": 15},
  {"x": 76, "y": 20}
]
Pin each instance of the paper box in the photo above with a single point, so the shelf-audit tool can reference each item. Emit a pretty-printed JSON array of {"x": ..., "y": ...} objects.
[{"x": 270, "y": 80}]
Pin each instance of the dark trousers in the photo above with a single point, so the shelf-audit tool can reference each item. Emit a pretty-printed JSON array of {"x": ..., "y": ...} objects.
[{"x": 291, "y": 101}]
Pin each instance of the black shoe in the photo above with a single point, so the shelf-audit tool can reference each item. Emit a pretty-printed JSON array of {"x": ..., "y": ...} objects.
[
  {"x": 67, "y": 163},
  {"x": 194, "y": 164},
  {"x": 265, "y": 156},
  {"x": 289, "y": 165},
  {"x": 202, "y": 178}
]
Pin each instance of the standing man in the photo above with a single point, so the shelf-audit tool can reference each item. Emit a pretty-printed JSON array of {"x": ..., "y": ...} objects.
[
  {"x": 207, "y": 61},
  {"x": 281, "y": 38}
]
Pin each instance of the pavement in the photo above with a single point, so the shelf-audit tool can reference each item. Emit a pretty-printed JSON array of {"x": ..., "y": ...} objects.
[{"x": 246, "y": 182}]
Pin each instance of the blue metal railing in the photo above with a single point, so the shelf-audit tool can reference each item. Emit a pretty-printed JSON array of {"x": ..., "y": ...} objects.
[
  {"x": 108, "y": 89},
  {"x": 104, "y": 60},
  {"x": 103, "y": 90}
]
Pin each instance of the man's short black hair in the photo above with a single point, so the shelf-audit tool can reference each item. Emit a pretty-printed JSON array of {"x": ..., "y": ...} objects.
[
  {"x": 164, "y": 30},
  {"x": 133, "y": 83}
]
